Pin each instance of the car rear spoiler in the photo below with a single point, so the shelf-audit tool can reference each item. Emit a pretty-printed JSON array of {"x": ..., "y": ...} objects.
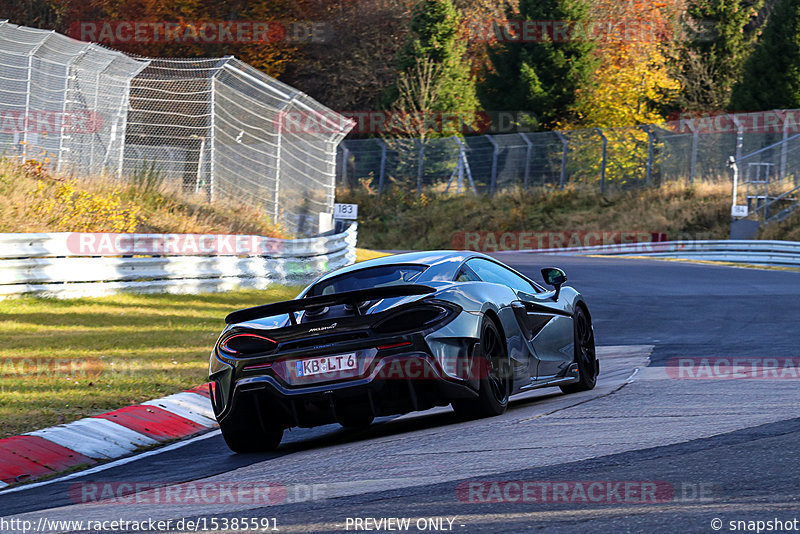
[{"x": 346, "y": 297}]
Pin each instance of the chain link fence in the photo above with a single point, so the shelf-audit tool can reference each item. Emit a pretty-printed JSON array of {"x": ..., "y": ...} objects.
[
  {"x": 766, "y": 183},
  {"x": 208, "y": 126},
  {"x": 689, "y": 149}
]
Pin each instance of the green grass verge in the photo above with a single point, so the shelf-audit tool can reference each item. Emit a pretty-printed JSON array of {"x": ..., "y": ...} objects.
[{"x": 61, "y": 360}]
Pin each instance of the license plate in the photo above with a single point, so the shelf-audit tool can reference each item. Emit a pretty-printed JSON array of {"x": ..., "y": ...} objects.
[{"x": 326, "y": 364}]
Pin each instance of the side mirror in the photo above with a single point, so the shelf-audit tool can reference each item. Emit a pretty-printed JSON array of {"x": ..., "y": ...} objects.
[{"x": 556, "y": 278}]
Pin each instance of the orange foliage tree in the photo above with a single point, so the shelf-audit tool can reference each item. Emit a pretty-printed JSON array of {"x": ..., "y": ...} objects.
[
  {"x": 268, "y": 51},
  {"x": 633, "y": 78}
]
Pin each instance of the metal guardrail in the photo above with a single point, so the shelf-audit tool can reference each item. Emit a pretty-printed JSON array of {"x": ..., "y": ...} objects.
[
  {"x": 56, "y": 265},
  {"x": 752, "y": 252}
]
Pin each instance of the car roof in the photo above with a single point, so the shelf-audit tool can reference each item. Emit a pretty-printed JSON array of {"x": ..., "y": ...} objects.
[{"x": 431, "y": 258}]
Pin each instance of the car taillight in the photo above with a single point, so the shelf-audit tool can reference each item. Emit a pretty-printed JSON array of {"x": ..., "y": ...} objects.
[
  {"x": 394, "y": 345},
  {"x": 417, "y": 318},
  {"x": 244, "y": 344}
]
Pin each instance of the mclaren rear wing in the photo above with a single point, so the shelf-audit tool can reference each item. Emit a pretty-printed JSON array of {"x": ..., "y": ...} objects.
[{"x": 348, "y": 297}]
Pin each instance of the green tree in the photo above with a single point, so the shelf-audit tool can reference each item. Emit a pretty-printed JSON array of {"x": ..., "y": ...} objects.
[
  {"x": 718, "y": 39},
  {"x": 541, "y": 75},
  {"x": 434, "y": 74},
  {"x": 771, "y": 76}
]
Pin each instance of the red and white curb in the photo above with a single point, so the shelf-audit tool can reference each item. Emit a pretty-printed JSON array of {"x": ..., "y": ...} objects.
[{"x": 105, "y": 437}]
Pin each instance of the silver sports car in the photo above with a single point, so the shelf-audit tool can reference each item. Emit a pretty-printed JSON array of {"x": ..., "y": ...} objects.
[{"x": 394, "y": 335}]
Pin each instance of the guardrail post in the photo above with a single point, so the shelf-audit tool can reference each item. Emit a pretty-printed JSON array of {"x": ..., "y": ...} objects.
[
  {"x": 495, "y": 155},
  {"x": 528, "y": 154},
  {"x": 564, "y": 151},
  {"x": 603, "y": 164}
]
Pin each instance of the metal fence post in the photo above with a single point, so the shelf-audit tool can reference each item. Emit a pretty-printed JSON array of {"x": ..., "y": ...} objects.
[
  {"x": 124, "y": 128},
  {"x": 212, "y": 164},
  {"x": 96, "y": 102},
  {"x": 200, "y": 164},
  {"x": 784, "y": 152},
  {"x": 345, "y": 159},
  {"x": 383, "y": 165},
  {"x": 528, "y": 154},
  {"x": 495, "y": 155},
  {"x": 739, "y": 135},
  {"x": 70, "y": 75},
  {"x": 603, "y": 164},
  {"x": 735, "y": 169},
  {"x": 564, "y": 150},
  {"x": 420, "y": 165},
  {"x": 695, "y": 141},
  {"x": 213, "y": 135},
  {"x": 27, "y": 105},
  {"x": 276, "y": 211},
  {"x": 648, "y": 129}
]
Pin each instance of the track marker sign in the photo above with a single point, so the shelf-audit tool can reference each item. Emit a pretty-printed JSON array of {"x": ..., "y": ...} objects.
[
  {"x": 345, "y": 211},
  {"x": 739, "y": 211}
]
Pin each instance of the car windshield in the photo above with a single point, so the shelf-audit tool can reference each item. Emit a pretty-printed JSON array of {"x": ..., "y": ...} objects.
[{"x": 385, "y": 275}]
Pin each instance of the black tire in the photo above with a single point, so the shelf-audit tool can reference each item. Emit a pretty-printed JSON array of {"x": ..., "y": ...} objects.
[
  {"x": 492, "y": 367},
  {"x": 245, "y": 431},
  {"x": 585, "y": 356}
]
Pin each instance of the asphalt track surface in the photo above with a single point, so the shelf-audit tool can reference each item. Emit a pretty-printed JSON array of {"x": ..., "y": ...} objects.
[{"x": 716, "y": 448}]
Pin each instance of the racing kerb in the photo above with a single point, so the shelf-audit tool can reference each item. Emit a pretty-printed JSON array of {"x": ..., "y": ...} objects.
[
  {"x": 58, "y": 265},
  {"x": 104, "y": 437}
]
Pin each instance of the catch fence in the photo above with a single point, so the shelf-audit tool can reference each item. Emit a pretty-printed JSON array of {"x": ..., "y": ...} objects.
[
  {"x": 692, "y": 148},
  {"x": 207, "y": 126}
]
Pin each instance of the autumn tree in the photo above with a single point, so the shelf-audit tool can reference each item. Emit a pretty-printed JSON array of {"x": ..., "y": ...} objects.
[
  {"x": 633, "y": 77},
  {"x": 771, "y": 78},
  {"x": 45, "y": 14},
  {"x": 269, "y": 52}
]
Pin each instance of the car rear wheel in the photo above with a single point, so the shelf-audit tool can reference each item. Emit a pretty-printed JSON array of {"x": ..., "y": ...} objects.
[
  {"x": 491, "y": 367},
  {"x": 585, "y": 356},
  {"x": 245, "y": 431}
]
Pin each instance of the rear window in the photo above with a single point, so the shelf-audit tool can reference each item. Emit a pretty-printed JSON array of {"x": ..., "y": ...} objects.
[{"x": 385, "y": 275}]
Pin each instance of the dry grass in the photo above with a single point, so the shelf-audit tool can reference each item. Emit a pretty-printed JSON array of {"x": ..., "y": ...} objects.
[
  {"x": 32, "y": 199},
  {"x": 788, "y": 230},
  {"x": 398, "y": 220}
]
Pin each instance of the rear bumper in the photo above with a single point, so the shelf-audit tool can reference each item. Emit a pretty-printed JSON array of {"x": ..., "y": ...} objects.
[{"x": 393, "y": 384}]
